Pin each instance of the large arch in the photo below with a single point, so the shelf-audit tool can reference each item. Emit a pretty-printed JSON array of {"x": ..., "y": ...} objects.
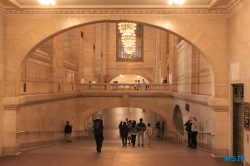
[
  {"x": 135, "y": 104},
  {"x": 42, "y": 27}
]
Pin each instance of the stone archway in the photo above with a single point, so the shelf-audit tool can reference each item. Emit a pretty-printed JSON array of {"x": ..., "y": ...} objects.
[
  {"x": 84, "y": 115},
  {"x": 42, "y": 27}
]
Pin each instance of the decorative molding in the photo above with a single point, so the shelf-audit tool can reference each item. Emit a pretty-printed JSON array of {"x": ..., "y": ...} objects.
[
  {"x": 119, "y": 11},
  {"x": 11, "y": 107},
  {"x": 231, "y": 5},
  {"x": 70, "y": 66},
  {"x": 2, "y": 9},
  {"x": 41, "y": 56}
]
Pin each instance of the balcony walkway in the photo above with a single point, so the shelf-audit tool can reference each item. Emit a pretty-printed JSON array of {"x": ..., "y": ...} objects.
[{"x": 83, "y": 153}]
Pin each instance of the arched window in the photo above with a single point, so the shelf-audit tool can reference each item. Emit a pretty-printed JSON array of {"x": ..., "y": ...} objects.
[{"x": 177, "y": 119}]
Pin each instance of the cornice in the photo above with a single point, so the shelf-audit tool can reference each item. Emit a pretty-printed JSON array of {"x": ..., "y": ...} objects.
[
  {"x": 2, "y": 9},
  {"x": 41, "y": 56},
  {"x": 70, "y": 66},
  {"x": 232, "y": 4},
  {"x": 117, "y": 11},
  {"x": 114, "y": 9}
]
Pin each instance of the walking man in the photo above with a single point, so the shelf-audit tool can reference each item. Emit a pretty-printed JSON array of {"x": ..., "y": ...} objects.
[
  {"x": 141, "y": 127},
  {"x": 98, "y": 125}
]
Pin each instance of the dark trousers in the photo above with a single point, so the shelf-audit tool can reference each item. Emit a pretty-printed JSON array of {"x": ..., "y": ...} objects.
[
  {"x": 133, "y": 139},
  {"x": 189, "y": 139},
  {"x": 98, "y": 140},
  {"x": 124, "y": 140},
  {"x": 194, "y": 141}
]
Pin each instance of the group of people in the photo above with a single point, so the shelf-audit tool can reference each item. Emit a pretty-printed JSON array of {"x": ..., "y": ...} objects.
[
  {"x": 191, "y": 128},
  {"x": 129, "y": 130}
]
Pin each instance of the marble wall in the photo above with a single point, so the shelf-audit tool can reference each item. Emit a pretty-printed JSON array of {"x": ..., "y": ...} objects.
[
  {"x": 2, "y": 48},
  {"x": 239, "y": 58},
  {"x": 45, "y": 117},
  {"x": 193, "y": 73}
]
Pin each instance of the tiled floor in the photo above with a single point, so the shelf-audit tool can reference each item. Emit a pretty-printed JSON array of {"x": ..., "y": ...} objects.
[{"x": 83, "y": 153}]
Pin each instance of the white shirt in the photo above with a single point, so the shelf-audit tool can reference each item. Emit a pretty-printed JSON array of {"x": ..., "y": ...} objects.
[{"x": 194, "y": 125}]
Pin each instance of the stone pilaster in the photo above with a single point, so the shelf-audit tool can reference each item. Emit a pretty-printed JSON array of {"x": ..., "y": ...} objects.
[
  {"x": 56, "y": 68},
  {"x": 11, "y": 117},
  {"x": 221, "y": 128},
  {"x": 173, "y": 74}
]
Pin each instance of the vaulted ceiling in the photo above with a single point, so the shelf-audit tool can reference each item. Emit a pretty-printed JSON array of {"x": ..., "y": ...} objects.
[{"x": 69, "y": 4}]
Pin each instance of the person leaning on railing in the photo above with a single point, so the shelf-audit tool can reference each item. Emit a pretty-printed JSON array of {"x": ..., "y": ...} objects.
[
  {"x": 194, "y": 133},
  {"x": 188, "y": 125}
]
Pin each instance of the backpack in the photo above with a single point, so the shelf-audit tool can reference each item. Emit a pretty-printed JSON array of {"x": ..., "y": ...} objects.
[{"x": 97, "y": 126}]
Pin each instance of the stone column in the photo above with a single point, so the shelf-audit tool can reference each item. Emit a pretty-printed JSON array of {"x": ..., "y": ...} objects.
[
  {"x": 221, "y": 128},
  {"x": 10, "y": 122},
  {"x": 98, "y": 52},
  {"x": 56, "y": 68},
  {"x": 173, "y": 70},
  {"x": 104, "y": 52},
  {"x": 2, "y": 41}
]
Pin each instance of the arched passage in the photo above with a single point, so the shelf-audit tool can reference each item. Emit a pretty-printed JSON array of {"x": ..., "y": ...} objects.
[
  {"x": 49, "y": 26},
  {"x": 86, "y": 113},
  {"x": 129, "y": 78}
]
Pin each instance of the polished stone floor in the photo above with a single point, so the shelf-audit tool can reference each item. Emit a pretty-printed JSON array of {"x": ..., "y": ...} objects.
[{"x": 83, "y": 153}]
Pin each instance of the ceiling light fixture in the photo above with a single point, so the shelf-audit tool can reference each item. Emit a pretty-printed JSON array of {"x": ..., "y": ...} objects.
[
  {"x": 47, "y": 2},
  {"x": 128, "y": 37},
  {"x": 179, "y": 2}
]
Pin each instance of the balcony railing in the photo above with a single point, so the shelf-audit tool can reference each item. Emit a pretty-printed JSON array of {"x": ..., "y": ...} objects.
[{"x": 125, "y": 87}]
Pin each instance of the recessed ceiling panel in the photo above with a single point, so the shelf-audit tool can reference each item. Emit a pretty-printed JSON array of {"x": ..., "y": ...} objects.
[{"x": 114, "y": 2}]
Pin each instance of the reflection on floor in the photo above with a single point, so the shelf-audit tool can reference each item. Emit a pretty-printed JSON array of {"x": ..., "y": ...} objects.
[{"x": 83, "y": 153}]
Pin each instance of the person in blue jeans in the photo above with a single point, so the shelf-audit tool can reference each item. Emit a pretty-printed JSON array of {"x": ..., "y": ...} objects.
[
  {"x": 133, "y": 132},
  {"x": 141, "y": 127}
]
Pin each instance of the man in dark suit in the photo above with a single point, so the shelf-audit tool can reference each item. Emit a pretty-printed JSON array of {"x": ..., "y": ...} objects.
[
  {"x": 188, "y": 125},
  {"x": 98, "y": 125}
]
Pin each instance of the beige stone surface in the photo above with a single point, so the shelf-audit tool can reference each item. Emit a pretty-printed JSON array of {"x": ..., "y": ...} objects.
[
  {"x": 238, "y": 54},
  {"x": 2, "y": 41},
  {"x": 51, "y": 24},
  {"x": 221, "y": 39}
]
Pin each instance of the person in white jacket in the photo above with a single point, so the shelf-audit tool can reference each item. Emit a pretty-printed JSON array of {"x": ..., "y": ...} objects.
[{"x": 194, "y": 133}]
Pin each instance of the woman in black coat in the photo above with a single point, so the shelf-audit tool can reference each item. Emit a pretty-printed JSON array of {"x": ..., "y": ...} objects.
[{"x": 124, "y": 133}]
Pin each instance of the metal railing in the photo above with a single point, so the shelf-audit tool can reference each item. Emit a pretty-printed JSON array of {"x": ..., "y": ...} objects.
[
  {"x": 47, "y": 132},
  {"x": 125, "y": 87},
  {"x": 204, "y": 140}
]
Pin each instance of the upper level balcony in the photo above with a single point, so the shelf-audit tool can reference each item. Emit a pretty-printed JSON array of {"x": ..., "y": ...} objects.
[{"x": 125, "y": 87}]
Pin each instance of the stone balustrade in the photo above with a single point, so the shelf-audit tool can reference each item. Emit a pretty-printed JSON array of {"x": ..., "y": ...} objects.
[{"x": 125, "y": 87}]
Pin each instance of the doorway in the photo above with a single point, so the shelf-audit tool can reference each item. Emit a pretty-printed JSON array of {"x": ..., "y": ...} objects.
[{"x": 238, "y": 119}]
